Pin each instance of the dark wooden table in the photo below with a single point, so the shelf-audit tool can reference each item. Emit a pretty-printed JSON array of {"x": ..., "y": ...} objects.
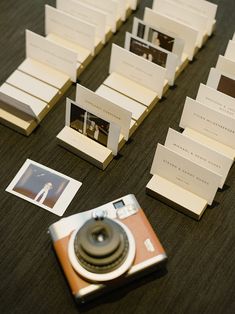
[{"x": 200, "y": 276}]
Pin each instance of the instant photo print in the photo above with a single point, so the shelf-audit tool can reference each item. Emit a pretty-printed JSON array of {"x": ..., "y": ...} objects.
[
  {"x": 44, "y": 187},
  {"x": 159, "y": 37},
  {"x": 186, "y": 32},
  {"x": 153, "y": 54}
]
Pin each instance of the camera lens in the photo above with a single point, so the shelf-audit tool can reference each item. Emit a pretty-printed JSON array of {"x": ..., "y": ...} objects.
[{"x": 101, "y": 246}]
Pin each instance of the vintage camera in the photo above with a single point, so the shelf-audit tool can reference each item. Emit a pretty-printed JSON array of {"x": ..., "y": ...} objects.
[{"x": 105, "y": 247}]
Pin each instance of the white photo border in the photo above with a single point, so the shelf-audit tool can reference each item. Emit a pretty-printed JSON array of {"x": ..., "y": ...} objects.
[{"x": 63, "y": 201}]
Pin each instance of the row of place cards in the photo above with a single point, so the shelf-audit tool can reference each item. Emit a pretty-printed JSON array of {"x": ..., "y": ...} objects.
[
  {"x": 191, "y": 166},
  {"x": 75, "y": 31}
]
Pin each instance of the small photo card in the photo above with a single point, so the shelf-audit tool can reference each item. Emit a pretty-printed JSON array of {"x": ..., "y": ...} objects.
[
  {"x": 186, "y": 32},
  {"x": 44, "y": 187},
  {"x": 153, "y": 53},
  {"x": 222, "y": 82},
  {"x": 89, "y": 124},
  {"x": 159, "y": 37}
]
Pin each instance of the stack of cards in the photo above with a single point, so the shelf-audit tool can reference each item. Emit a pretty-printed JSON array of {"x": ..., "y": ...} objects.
[
  {"x": 75, "y": 32},
  {"x": 189, "y": 169}
]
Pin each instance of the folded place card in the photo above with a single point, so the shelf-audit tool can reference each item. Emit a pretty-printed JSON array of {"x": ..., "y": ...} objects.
[
  {"x": 201, "y": 7},
  {"x": 184, "y": 15},
  {"x": 222, "y": 81},
  {"x": 159, "y": 37},
  {"x": 199, "y": 153},
  {"x": 152, "y": 53},
  {"x": 186, "y": 32},
  {"x": 209, "y": 122},
  {"x": 59, "y": 58},
  {"x": 138, "y": 70},
  {"x": 230, "y": 50},
  {"x": 104, "y": 109},
  {"x": 182, "y": 183},
  {"x": 86, "y": 13},
  {"x": 216, "y": 100},
  {"x": 225, "y": 65},
  {"x": 71, "y": 29}
]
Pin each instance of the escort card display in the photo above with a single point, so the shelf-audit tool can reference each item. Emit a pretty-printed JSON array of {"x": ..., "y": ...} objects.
[
  {"x": 54, "y": 62},
  {"x": 205, "y": 151}
]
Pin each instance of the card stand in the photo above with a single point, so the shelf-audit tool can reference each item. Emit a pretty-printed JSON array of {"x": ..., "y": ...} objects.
[
  {"x": 84, "y": 56},
  {"x": 23, "y": 89},
  {"x": 16, "y": 119},
  {"x": 129, "y": 95},
  {"x": 139, "y": 111},
  {"x": 176, "y": 197},
  {"x": 219, "y": 147},
  {"x": 85, "y": 147}
]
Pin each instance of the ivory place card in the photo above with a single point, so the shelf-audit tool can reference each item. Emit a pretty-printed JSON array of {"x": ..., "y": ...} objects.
[
  {"x": 212, "y": 124},
  {"x": 60, "y": 58},
  {"x": 230, "y": 50},
  {"x": 104, "y": 109},
  {"x": 200, "y": 7},
  {"x": 88, "y": 14},
  {"x": 225, "y": 65},
  {"x": 221, "y": 81},
  {"x": 216, "y": 100},
  {"x": 181, "y": 182},
  {"x": 184, "y": 15},
  {"x": 159, "y": 37},
  {"x": 137, "y": 70},
  {"x": 186, "y": 32},
  {"x": 153, "y": 54},
  {"x": 44, "y": 187},
  {"x": 199, "y": 153},
  {"x": 110, "y": 7},
  {"x": 70, "y": 32}
]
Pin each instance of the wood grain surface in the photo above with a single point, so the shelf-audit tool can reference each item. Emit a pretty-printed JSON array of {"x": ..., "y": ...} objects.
[{"x": 199, "y": 277}]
